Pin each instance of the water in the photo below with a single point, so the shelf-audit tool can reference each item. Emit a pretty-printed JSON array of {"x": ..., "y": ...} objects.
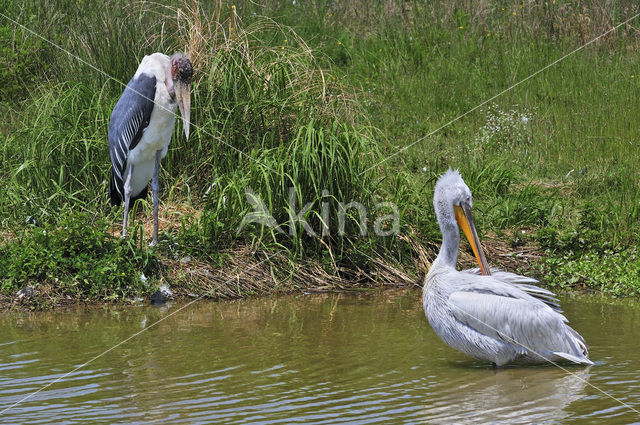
[{"x": 308, "y": 359}]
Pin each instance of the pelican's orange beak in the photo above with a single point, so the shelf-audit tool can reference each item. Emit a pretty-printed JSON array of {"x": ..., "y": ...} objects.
[{"x": 465, "y": 221}]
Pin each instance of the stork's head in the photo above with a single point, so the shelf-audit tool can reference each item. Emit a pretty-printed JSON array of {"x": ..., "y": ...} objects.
[
  {"x": 181, "y": 73},
  {"x": 452, "y": 201}
]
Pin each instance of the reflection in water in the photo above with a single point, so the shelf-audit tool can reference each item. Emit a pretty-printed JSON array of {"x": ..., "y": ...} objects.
[
  {"x": 522, "y": 395},
  {"x": 310, "y": 359}
]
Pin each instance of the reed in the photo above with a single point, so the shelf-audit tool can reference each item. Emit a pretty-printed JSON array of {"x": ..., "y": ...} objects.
[{"x": 303, "y": 98}]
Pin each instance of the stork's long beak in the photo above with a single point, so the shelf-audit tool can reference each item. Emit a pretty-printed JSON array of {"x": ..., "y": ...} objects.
[
  {"x": 183, "y": 96},
  {"x": 465, "y": 221}
]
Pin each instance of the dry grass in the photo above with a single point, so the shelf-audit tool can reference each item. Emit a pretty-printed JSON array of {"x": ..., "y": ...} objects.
[
  {"x": 576, "y": 22},
  {"x": 170, "y": 218},
  {"x": 246, "y": 273},
  {"x": 206, "y": 35},
  {"x": 502, "y": 255}
]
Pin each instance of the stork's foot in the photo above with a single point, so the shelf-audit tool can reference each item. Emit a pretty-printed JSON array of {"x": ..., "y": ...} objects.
[{"x": 153, "y": 242}]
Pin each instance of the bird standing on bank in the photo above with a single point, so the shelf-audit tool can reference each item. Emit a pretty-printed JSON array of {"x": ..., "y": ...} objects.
[
  {"x": 141, "y": 126},
  {"x": 488, "y": 314}
]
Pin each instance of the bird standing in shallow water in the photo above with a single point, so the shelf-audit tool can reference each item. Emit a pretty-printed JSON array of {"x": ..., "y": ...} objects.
[
  {"x": 490, "y": 314},
  {"x": 141, "y": 126}
]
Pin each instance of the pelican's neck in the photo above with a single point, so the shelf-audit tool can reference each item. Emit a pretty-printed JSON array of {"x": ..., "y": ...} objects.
[{"x": 448, "y": 255}]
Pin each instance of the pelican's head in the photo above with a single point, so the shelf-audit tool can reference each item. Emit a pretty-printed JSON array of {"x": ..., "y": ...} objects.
[
  {"x": 181, "y": 73},
  {"x": 452, "y": 201}
]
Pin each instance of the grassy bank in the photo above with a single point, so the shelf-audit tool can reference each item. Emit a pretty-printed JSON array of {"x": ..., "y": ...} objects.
[{"x": 306, "y": 100}]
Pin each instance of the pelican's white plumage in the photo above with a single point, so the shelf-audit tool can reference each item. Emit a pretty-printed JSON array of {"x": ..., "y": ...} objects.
[{"x": 498, "y": 317}]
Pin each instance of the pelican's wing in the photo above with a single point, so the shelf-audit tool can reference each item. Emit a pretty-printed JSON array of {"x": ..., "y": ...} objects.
[
  {"x": 517, "y": 318},
  {"x": 525, "y": 283},
  {"x": 129, "y": 118},
  {"x": 500, "y": 274}
]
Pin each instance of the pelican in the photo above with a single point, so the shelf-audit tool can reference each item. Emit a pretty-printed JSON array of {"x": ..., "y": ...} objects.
[
  {"x": 141, "y": 126},
  {"x": 490, "y": 315}
]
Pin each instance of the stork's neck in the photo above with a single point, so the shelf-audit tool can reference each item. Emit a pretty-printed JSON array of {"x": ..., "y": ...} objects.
[
  {"x": 168, "y": 81},
  {"x": 172, "y": 91}
]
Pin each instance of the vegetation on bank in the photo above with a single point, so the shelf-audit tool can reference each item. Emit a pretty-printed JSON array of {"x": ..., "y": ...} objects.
[{"x": 307, "y": 99}]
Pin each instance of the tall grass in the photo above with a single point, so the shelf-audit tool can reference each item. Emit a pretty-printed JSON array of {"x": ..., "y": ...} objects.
[
  {"x": 421, "y": 64},
  {"x": 304, "y": 97},
  {"x": 267, "y": 120}
]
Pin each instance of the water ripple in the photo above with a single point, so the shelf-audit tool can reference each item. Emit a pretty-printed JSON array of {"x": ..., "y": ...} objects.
[{"x": 324, "y": 360}]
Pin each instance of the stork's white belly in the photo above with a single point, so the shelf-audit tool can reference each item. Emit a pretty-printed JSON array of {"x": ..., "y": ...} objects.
[{"x": 156, "y": 137}]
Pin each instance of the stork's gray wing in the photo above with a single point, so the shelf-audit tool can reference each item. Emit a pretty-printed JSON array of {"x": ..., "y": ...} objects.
[
  {"x": 524, "y": 283},
  {"x": 128, "y": 121},
  {"x": 518, "y": 319}
]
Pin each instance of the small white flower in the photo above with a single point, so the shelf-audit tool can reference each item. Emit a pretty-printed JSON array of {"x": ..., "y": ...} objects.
[
  {"x": 143, "y": 278},
  {"x": 294, "y": 2},
  {"x": 424, "y": 169}
]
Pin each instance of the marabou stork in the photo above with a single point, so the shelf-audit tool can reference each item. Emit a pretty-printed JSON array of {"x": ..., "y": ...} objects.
[
  {"x": 141, "y": 126},
  {"x": 488, "y": 314}
]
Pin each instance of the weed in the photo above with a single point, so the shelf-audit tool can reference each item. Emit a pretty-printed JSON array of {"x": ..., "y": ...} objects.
[
  {"x": 78, "y": 258},
  {"x": 615, "y": 272},
  {"x": 309, "y": 100}
]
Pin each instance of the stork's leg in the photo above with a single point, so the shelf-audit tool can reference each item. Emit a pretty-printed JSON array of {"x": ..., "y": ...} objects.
[
  {"x": 127, "y": 196},
  {"x": 155, "y": 186}
]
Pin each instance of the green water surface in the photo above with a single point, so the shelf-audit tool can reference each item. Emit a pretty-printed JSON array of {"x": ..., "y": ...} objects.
[{"x": 336, "y": 358}]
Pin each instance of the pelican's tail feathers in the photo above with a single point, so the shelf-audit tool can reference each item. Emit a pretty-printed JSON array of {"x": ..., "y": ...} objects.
[{"x": 572, "y": 358}]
